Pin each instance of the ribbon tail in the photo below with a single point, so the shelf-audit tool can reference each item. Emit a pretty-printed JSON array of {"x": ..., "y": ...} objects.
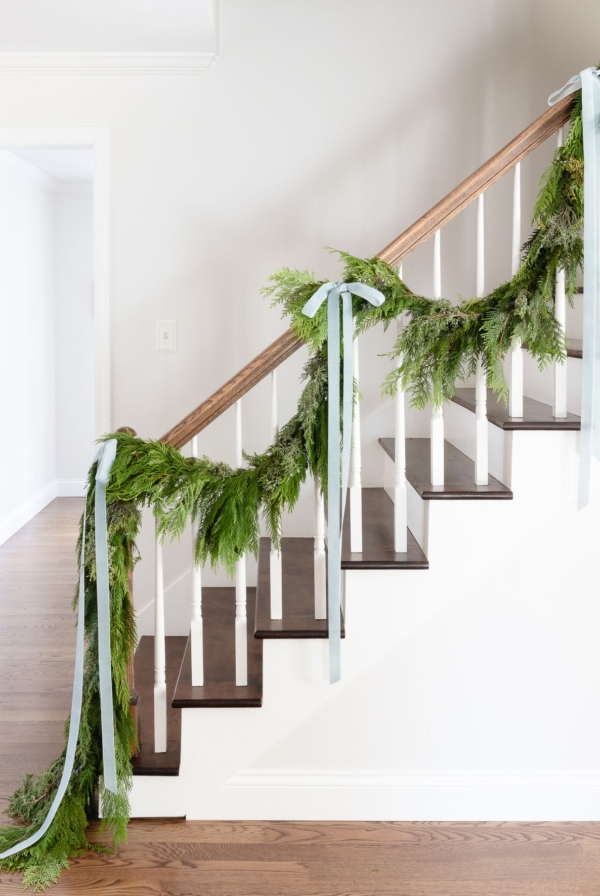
[
  {"x": 74, "y": 719},
  {"x": 589, "y": 443},
  {"x": 103, "y": 593},
  {"x": 333, "y": 485}
]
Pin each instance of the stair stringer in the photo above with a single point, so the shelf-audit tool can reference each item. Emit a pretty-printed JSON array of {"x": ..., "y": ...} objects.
[{"x": 290, "y": 758}]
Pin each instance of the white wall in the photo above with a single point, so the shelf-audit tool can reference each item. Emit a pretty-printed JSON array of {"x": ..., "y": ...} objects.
[
  {"x": 27, "y": 355},
  {"x": 46, "y": 340},
  {"x": 74, "y": 270}
]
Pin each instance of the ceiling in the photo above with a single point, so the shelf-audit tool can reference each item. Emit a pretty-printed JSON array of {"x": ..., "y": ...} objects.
[
  {"x": 105, "y": 26},
  {"x": 65, "y": 165}
]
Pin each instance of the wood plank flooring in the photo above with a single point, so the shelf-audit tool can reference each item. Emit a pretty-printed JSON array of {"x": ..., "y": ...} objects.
[
  {"x": 37, "y": 640},
  {"x": 340, "y": 859},
  {"x": 38, "y": 577}
]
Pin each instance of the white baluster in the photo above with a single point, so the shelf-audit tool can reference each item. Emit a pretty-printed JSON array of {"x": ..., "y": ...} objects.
[
  {"x": 160, "y": 659},
  {"x": 400, "y": 490},
  {"x": 437, "y": 413},
  {"x": 197, "y": 635},
  {"x": 275, "y": 562},
  {"x": 559, "y": 405},
  {"x": 355, "y": 470},
  {"x": 515, "y": 396},
  {"x": 241, "y": 620},
  {"x": 481, "y": 423},
  {"x": 320, "y": 556}
]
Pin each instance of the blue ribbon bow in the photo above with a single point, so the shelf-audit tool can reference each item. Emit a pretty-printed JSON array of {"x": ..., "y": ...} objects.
[
  {"x": 589, "y": 443},
  {"x": 332, "y": 292},
  {"x": 105, "y": 457}
]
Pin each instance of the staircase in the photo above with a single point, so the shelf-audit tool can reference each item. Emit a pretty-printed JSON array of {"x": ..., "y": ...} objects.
[{"x": 455, "y": 493}]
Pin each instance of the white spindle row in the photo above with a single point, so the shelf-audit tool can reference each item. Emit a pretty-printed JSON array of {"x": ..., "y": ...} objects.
[
  {"x": 559, "y": 403},
  {"x": 355, "y": 483},
  {"x": 160, "y": 659},
  {"x": 437, "y": 413},
  {"x": 241, "y": 616},
  {"x": 481, "y": 423},
  {"x": 275, "y": 560},
  {"x": 320, "y": 555},
  {"x": 196, "y": 633},
  {"x": 400, "y": 489},
  {"x": 515, "y": 395}
]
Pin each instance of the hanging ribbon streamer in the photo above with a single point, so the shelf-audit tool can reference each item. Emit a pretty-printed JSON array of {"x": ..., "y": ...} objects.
[
  {"x": 332, "y": 292},
  {"x": 105, "y": 458},
  {"x": 589, "y": 443}
]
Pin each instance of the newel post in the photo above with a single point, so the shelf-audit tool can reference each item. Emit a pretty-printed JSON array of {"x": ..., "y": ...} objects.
[{"x": 134, "y": 697}]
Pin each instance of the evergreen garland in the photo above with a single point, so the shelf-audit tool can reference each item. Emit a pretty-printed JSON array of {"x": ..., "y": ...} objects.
[{"x": 440, "y": 344}]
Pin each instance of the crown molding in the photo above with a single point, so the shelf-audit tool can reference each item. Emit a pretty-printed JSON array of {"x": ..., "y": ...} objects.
[{"x": 34, "y": 63}]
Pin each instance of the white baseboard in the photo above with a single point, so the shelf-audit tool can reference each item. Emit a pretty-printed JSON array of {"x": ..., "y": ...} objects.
[
  {"x": 26, "y": 511},
  {"x": 398, "y": 797},
  {"x": 71, "y": 488}
]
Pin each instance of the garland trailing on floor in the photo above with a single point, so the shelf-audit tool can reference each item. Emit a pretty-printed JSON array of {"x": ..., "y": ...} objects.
[{"x": 440, "y": 344}]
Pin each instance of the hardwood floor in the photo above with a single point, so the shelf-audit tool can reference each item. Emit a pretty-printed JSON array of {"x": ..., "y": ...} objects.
[
  {"x": 37, "y": 638},
  {"x": 38, "y": 576}
]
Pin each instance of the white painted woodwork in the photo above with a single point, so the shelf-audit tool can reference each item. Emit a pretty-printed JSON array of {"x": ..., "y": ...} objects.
[
  {"x": 400, "y": 490},
  {"x": 241, "y": 616},
  {"x": 481, "y": 422},
  {"x": 559, "y": 402},
  {"x": 160, "y": 660},
  {"x": 275, "y": 561},
  {"x": 436, "y": 432},
  {"x": 320, "y": 556},
  {"x": 515, "y": 395},
  {"x": 481, "y": 426},
  {"x": 355, "y": 469},
  {"x": 197, "y": 633}
]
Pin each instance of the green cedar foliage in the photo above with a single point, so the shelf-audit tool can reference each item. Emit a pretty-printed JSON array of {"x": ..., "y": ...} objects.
[{"x": 440, "y": 345}]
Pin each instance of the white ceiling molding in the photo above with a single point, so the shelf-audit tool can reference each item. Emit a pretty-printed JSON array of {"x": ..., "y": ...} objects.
[{"x": 155, "y": 63}]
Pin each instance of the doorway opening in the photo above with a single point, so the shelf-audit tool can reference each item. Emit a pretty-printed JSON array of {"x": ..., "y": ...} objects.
[{"x": 54, "y": 354}]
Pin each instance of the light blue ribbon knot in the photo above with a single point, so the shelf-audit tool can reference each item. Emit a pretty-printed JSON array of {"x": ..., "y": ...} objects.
[
  {"x": 333, "y": 292},
  {"x": 589, "y": 441},
  {"x": 105, "y": 457}
]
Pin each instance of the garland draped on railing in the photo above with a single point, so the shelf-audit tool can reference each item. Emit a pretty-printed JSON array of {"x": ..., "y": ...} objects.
[{"x": 440, "y": 344}]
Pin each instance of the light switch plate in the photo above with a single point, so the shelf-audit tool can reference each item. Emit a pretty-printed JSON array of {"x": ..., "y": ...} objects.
[{"x": 166, "y": 335}]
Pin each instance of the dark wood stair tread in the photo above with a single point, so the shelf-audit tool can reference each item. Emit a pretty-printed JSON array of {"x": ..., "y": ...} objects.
[
  {"x": 220, "y": 689},
  {"x": 574, "y": 348},
  {"x": 378, "y": 537},
  {"x": 298, "y": 593},
  {"x": 148, "y": 762},
  {"x": 459, "y": 473},
  {"x": 536, "y": 414}
]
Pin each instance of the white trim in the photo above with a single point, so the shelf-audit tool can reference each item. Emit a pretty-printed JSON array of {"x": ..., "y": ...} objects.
[
  {"x": 71, "y": 488},
  {"x": 37, "y": 63},
  {"x": 387, "y": 779},
  {"x": 26, "y": 511},
  {"x": 388, "y": 796},
  {"x": 27, "y": 170}
]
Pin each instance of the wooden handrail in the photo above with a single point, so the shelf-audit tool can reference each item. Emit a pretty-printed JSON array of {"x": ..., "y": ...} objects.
[{"x": 417, "y": 233}]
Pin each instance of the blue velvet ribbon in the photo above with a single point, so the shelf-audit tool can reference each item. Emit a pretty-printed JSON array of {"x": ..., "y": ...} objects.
[
  {"x": 105, "y": 458},
  {"x": 589, "y": 442},
  {"x": 332, "y": 293}
]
